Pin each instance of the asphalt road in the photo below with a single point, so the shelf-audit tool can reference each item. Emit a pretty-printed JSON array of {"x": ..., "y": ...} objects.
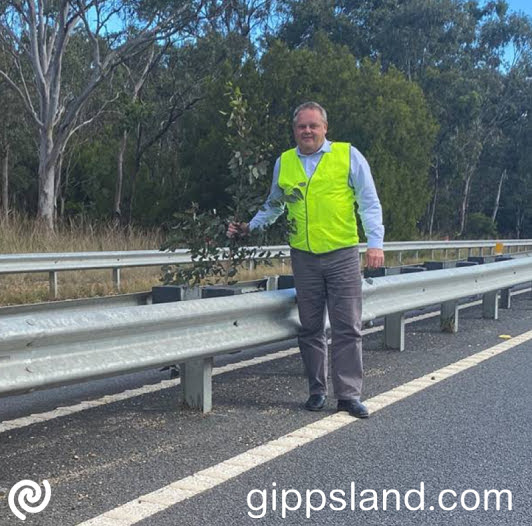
[{"x": 468, "y": 432}]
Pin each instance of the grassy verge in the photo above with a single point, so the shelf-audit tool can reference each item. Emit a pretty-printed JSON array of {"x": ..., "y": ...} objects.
[
  {"x": 22, "y": 235},
  {"x": 19, "y": 235}
]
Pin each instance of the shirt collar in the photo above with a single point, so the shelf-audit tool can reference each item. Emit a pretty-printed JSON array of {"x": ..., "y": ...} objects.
[{"x": 324, "y": 148}]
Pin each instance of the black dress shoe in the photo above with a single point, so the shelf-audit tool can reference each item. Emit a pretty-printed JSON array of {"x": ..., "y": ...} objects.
[
  {"x": 354, "y": 407},
  {"x": 316, "y": 402}
]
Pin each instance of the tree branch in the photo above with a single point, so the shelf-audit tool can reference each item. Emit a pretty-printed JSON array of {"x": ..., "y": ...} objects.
[
  {"x": 34, "y": 53},
  {"x": 173, "y": 115},
  {"x": 26, "y": 100},
  {"x": 74, "y": 129}
]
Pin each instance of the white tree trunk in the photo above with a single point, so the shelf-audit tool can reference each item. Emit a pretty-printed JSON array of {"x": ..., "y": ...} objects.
[
  {"x": 519, "y": 222},
  {"x": 40, "y": 31},
  {"x": 5, "y": 183},
  {"x": 47, "y": 165},
  {"x": 465, "y": 201},
  {"x": 433, "y": 212},
  {"x": 57, "y": 185},
  {"x": 45, "y": 210},
  {"x": 498, "y": 197},
  {"x": 434, "y": 199},
  {"x": 117, "y": 212}
]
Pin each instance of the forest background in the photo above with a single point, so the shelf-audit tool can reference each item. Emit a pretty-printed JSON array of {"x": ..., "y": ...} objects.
[{"x": 117, "y": 111}]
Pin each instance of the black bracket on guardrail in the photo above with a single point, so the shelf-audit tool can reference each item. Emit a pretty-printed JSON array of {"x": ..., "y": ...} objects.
[
  {"x": 380, "y": 272},
  {"x": 460, "y": 264},
  {"x": 440, "y": 265},
  {"x": 482, "y": 259},
  {"x": 169, "y": 293},
  {"x": 285, "y": 281},
  {"x": 412, "y": 269}
]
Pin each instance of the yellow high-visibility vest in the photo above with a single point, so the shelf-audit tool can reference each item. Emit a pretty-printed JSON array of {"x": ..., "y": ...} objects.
[{"x": 324, "y": 219}]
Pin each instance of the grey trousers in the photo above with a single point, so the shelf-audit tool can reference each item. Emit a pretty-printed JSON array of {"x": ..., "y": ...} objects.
[{"x": 330, "y": 281}]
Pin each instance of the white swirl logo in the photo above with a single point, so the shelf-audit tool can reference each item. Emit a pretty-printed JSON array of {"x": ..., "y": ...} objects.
[{"x": 30, "y": 493}]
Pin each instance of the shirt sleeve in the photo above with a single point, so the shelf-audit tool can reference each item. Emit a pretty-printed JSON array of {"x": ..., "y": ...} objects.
[
  {"x": 369, "y": 206},
  {"x": 273, "y": 207}
]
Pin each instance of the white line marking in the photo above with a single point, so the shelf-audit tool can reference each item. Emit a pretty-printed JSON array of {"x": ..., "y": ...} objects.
[
  {"x": 147, "y": 505},
  {"x": 25, "y": 421}
]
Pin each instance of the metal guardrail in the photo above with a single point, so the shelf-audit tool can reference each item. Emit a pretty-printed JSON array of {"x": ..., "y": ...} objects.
[
  {"x": 102, "y": 302},
  {"x": 83, "y": 304},
  {"x": 52, "y": 263},
  {"x": 49, "y": 349}
]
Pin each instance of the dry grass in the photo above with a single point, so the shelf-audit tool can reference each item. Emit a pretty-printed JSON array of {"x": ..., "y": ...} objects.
[
  {"x": 20, "y": 234},
  {"x": 260, "y": 271},
  {"x": 32, "y": 288}
]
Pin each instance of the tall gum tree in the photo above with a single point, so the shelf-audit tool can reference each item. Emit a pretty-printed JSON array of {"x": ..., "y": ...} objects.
[{"x": 36, "y": 35}]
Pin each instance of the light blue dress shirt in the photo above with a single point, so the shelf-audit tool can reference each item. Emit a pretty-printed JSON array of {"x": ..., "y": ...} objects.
[{"x": 360, "y": 179}]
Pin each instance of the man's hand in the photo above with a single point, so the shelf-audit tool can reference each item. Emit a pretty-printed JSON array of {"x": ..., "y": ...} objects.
[
  {"x": 237, "y": 229},
  {"x": 374, "y": 257}
]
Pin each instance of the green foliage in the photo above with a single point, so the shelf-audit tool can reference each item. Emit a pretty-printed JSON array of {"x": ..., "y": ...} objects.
[
  {"x": 91, "y": 191},
  {"x": 480, "y": 226},
  {"x": 215, "y": 257},
  {"x": 435, "y": 93},
  {"x": 249, "y": 160},
  {"x": 382, "y": 114}
]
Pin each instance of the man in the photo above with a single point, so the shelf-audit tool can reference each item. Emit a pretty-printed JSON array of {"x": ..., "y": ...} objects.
[{"x": 329, "y": 178}]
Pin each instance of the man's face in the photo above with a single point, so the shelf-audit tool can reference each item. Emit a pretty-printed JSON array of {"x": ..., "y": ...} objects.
[{"x": 309, "y": 130}]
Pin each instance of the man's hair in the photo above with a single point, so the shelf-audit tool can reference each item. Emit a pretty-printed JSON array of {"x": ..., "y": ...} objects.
[{"x": 310, "y": 106}]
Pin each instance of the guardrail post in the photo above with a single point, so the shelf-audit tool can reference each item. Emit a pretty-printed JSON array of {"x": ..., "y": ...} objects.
[
  {"x": 52, "y": 280},
  {"x": 271, "y": 282},
  {"x": 505, "y": 301},
  {"x": 196, "y": 382},
  {"x": 116, "y": 279},
  {"x": 469, "y": 252},
  {"x": 449, "y": 316},
  {"x": 394, "y": 331},
  {"x": 490, "y": 305}
]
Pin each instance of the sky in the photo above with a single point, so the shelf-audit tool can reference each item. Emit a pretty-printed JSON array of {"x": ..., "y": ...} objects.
[
  {"x": 521, "y": 5},
  {"x": 524, "y": 6}
]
